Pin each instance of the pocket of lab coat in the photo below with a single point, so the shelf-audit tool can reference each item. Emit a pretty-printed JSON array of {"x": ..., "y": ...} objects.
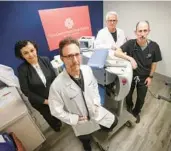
[
  {"x": 74, "y": 96},
  {"x": 74, "y": 106},
  {"x": 104, "y": 117}
]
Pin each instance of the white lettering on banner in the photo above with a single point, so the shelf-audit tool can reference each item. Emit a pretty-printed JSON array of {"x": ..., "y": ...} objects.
[{"x": 68, "y": 32}]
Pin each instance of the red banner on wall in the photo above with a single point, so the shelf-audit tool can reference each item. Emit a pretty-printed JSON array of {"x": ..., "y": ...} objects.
[{"x": 63, "y": 22}]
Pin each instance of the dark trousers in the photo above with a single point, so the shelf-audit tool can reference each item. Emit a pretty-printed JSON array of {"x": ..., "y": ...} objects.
[
  {"x": 86, "y": 141},
  {"x": 51, "y": 120},
  {"x": 141, "y": 93}
]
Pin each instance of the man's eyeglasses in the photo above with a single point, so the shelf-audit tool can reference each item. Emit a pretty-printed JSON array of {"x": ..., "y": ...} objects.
[
  {"x": 112, "y": 21},
  {"x": 71, "y": 56}
]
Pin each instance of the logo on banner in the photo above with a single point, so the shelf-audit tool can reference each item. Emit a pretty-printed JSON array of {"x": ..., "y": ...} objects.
[
  {"x": 62, "y": 22},
  {"x": 69, "y": 23}
]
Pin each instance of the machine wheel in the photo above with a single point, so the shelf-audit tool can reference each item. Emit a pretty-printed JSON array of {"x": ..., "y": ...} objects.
[
  {"x": 100, "y": 147},
  {"x": 129, "y": 124}
]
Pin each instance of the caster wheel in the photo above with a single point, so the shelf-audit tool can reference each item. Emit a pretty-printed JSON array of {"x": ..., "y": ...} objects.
[
  {"x": 159, "y": 97},
  {"x": 100, "y": 147},
  {"x": 129, "y": 124}
]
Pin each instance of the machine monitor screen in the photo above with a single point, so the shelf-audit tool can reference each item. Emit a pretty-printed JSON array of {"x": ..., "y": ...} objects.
[{"x": 84, "y": 44}]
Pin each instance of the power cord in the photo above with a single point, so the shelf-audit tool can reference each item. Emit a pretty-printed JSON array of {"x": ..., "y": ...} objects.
[
  {"x": 163, "y": 97},
  {"x": 152, "y": 94},
  {"x": 158, "y": 97}
]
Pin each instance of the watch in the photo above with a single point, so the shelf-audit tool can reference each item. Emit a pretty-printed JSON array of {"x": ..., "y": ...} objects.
[{"x": 150, "y": 76}]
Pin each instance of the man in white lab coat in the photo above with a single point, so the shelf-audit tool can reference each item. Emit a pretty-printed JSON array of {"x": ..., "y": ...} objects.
[
  {"x": 74, "y": 96},
  {"x": 110, "y": 37}
]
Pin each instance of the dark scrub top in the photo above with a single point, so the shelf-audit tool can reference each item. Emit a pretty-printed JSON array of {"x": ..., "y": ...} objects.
[
  {"x": 144, "y": 58},
  {"x": 114, "y": 35}
]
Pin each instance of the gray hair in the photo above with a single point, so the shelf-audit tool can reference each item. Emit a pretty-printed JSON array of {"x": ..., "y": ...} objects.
[
  {"x": 145, "y": 21},
  {"x": 111, "y": 13}
]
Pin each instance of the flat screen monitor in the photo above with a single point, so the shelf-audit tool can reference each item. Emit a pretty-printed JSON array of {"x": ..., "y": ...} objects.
[{"x": 84, "y": 44}]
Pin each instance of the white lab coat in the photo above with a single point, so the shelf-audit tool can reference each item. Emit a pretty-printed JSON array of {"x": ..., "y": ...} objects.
[
  {"x": 65, "y": 99},
  {"x": 104, "y": 39}
]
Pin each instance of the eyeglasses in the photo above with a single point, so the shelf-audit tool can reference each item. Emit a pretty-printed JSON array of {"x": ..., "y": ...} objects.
[
  {"x": 112, "y": 21},
  {"x": 71, "y": 56}
]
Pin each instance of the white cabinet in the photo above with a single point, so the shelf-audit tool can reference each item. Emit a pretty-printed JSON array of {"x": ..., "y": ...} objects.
[{"x": 14, "y": 117}]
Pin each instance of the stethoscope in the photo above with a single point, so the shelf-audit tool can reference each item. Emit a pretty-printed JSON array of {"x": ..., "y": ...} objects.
[{"x": 148, "y": 49}]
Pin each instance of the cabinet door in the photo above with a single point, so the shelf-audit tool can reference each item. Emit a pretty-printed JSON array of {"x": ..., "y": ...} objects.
[{"x": 28, "y": 132}]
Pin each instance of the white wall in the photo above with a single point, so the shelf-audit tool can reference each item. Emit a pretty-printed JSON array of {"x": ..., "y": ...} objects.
[{"x": 159, "y": 16}]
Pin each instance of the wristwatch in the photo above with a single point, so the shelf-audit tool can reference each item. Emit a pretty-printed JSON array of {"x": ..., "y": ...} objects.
[{"x": 150, "y": 76}]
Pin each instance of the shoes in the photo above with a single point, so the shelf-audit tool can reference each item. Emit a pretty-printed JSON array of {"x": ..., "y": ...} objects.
[
  {"x": 137, "y": 116},
  {"x": 87, "y": 150},
  {"x": 58, "y": 129},
  {"x": 138, "y": 119}
]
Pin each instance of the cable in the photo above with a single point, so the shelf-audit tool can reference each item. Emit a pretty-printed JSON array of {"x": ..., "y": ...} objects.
[
  {"x": 152, "y": 94},
  {"x": 160, "y": 97}
]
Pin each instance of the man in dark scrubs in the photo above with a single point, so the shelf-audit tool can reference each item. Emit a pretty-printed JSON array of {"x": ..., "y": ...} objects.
[{"x": 143, "y": 54}]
